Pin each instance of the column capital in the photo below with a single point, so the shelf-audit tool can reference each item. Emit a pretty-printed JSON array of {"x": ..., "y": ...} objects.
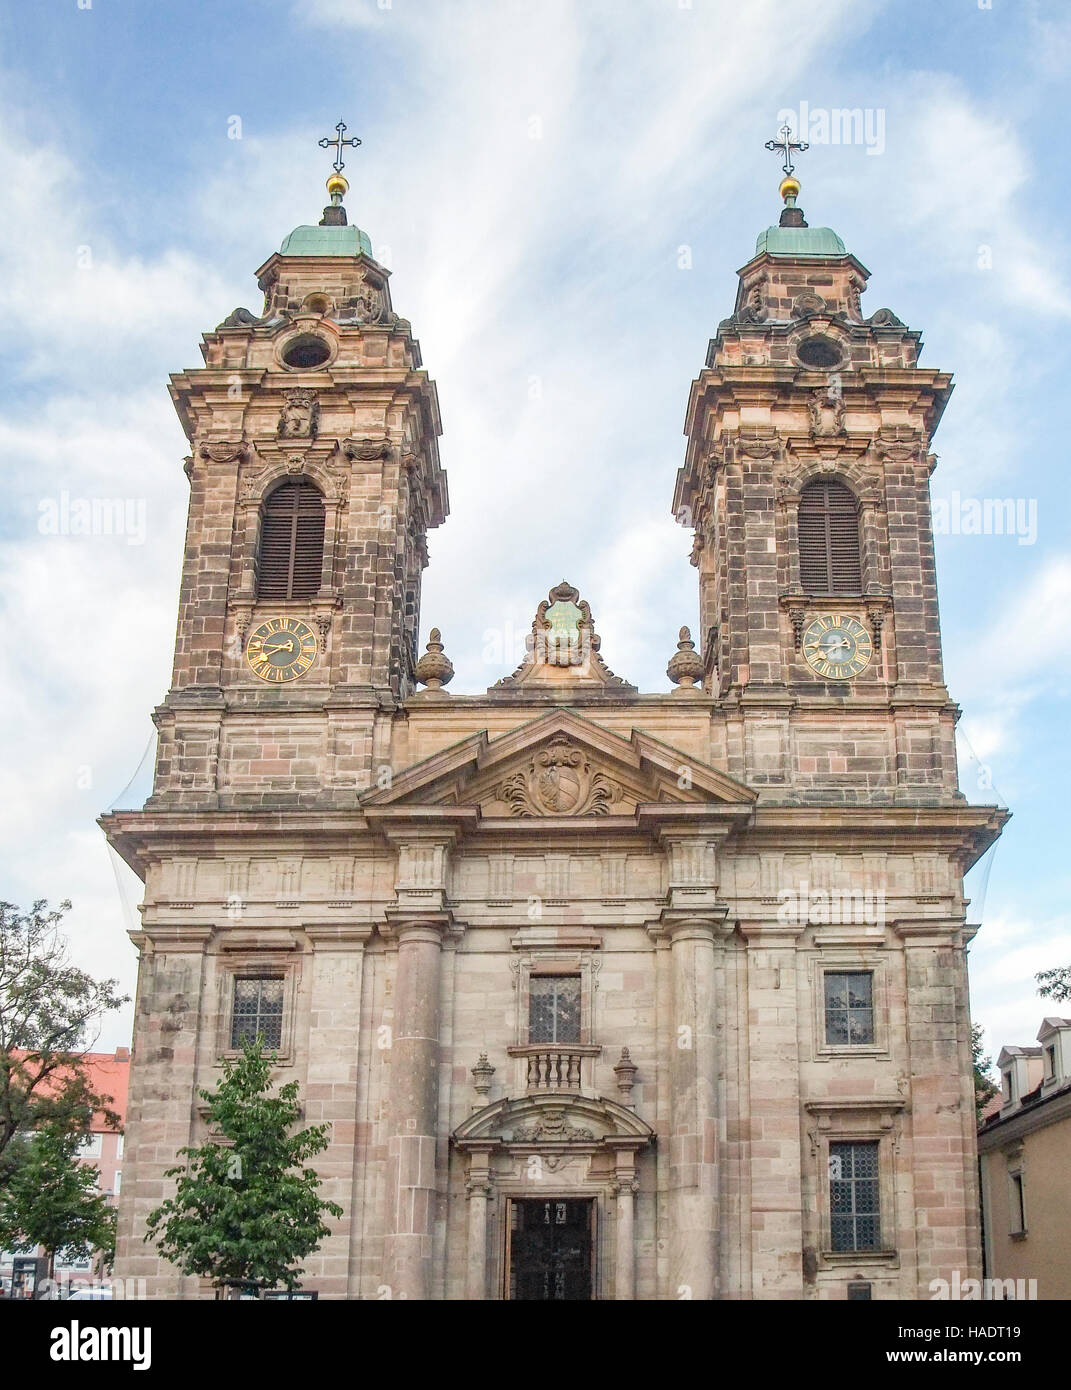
[
  {"x": 708, "y": 922},
  {"x": 407, "y": 923}
]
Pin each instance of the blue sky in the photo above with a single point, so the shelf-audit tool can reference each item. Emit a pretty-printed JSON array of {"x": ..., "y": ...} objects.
[{"x": 564, "y": 192}]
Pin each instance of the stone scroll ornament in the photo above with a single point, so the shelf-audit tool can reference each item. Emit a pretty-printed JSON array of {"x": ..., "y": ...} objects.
[
  {"x": 559, "y": 781},
  {"x": 563, "y": 635}
]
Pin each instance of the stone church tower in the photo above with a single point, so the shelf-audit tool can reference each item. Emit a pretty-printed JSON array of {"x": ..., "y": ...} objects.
[{"x": 604, "y": 994}]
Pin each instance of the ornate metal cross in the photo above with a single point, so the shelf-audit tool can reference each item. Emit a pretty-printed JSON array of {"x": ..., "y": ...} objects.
[
  {"x": 785, "y": 146},
  {"x": 339, "y": 142}
]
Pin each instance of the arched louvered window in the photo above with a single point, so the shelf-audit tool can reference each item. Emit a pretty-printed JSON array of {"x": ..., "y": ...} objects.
[
  {"x": 830, "y": 560},
  {"x": 291, "y": 542}
]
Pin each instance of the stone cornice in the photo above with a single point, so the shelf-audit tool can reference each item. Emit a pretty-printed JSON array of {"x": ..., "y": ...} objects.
[
  {"x": 931, "y": 931},
  {"x": 955, "y": 829},
  {"x": 181, "y": 937}
]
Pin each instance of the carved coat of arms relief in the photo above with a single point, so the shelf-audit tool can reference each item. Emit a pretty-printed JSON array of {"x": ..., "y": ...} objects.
[{"x": 558, "y": 781}]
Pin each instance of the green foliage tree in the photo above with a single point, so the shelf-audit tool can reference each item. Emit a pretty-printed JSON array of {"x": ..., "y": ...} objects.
[
  {"x": 48, "y": 1011},
  {"x": 51, "y": 1199},
  {"x": 984, "y": 1087},
  {"x": 1055, "y": 984},
  {"x": 245, "y": 1211}
]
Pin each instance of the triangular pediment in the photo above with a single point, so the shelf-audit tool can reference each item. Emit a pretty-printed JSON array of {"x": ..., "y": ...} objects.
[{"x": 560, "y": 764}]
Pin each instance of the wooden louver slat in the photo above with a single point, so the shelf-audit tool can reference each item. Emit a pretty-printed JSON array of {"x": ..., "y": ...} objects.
[
  {"x": 290, "y": 560},
  {"x": 828, "y": 528}
]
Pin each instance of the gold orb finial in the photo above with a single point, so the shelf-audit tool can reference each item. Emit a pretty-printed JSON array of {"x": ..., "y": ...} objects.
[
  {"x": 336, "y": 184},
  {"x": 790, "y": 188}
]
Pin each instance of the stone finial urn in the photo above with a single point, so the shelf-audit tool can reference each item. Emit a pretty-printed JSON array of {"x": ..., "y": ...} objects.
[
  {"x": 482, "y": 1074},
  {"x": 625, "y": 1071},
  {"x": 685, "y": 667},
  {"x": 434, "y": 669}
]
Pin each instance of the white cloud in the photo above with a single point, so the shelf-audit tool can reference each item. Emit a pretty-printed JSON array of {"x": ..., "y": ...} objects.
[{"x": 1004, "y": 958}]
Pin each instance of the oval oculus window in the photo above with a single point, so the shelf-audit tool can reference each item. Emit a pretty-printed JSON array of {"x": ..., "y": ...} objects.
[
  {"x": 818, "y": 352},
  {"x": 305, "y": 351}
]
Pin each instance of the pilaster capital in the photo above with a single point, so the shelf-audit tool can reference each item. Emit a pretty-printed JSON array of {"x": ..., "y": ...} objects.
[
  {"x": 766, "y": 935},
  {"x": 341, "y": 936},
  {"x": 933, "y": 931},
  {"x": 177, "y": 937}
]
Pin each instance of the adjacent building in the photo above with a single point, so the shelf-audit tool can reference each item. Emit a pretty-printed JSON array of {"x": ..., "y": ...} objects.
[
  {"x": 1024, "y": 1152},
  {"x": 605, "y": 994},
  {"x": 108, "y": 1074}
]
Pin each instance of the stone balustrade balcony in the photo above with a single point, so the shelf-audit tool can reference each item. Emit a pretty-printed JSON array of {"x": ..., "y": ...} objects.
[{"x": 554, "y": 1067}]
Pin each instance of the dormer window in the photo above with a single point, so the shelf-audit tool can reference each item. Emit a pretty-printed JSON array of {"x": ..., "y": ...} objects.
[
  {"x": 1050, "y": 1063},
  {"x": 1008, "y": 1086}
]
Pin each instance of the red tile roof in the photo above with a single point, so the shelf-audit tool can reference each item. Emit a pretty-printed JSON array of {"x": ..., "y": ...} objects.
[{"x": 109, "y": 1075}]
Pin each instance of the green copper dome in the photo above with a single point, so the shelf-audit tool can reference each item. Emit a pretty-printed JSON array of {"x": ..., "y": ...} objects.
[
  {"x": 800, "y": 241},
  {"x": 326, "y": 241}
]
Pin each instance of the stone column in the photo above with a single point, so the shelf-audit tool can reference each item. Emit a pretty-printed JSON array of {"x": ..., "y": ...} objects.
[
  {"x": 625, "y": 1261},
  {"x": 692, "y": 921},
  {"x": 418, "y": 921},
  {"x": 624, "y": 1187},
  {"x": 414, "y": 1108},
  {"x": 693, "y": 1140},
  {"x": 479, "y": 1191}
]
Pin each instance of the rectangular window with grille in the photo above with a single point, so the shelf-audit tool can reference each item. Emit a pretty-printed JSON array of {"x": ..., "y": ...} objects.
[
  {"x": 854, "y": 1204},
  {"x": 554, "y": 1009},
  {"x": 258, "y": 1009},
  {"x": 849, "y": 1008}
]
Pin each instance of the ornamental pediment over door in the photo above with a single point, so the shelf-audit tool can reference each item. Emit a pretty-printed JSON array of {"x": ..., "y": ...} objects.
[
  {"x": 560, "y": 765},
  {"x": 561, "y": 1122}
]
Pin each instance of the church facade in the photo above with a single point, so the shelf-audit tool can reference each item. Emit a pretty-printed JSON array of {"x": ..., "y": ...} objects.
[{"x": 604, "y": 994}]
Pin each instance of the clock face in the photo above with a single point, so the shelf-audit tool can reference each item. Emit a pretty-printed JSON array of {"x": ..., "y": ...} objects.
[
  {"x": 281, "y": 649},
  {"x": 837, "y": 648}
]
